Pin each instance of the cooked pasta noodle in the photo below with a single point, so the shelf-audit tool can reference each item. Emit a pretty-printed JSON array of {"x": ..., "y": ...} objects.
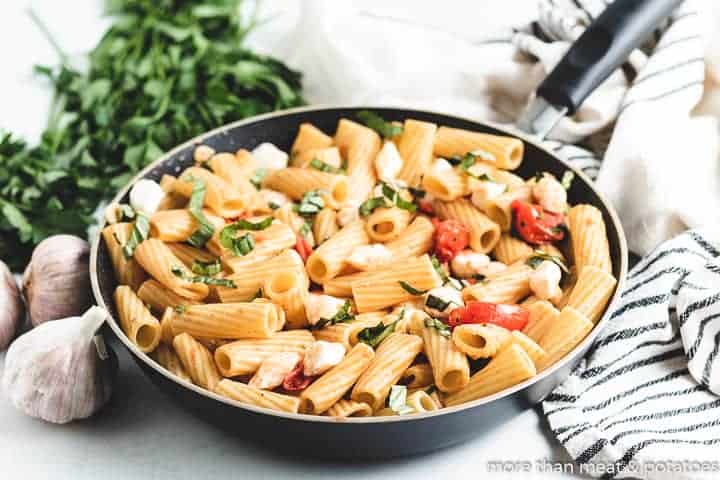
[
  {"x": 505, "y": 152},
  {"x": 484, "y": 233}
]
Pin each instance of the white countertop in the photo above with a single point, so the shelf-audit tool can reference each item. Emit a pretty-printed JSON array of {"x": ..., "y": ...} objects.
[{"x": 141, "y": 433}]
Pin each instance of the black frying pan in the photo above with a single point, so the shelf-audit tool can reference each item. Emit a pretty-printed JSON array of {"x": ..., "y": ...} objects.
[{"x": 399, "y": 435}]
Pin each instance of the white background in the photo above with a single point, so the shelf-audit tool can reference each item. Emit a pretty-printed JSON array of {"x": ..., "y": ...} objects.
[{"x": 141, "y": 434}]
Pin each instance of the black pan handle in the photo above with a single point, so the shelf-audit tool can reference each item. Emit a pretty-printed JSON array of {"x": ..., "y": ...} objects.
[{"x": 602, "y": 48}]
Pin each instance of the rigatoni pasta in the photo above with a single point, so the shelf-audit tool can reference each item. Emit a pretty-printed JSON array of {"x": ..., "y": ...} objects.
[{"x": 392, "y": 268}]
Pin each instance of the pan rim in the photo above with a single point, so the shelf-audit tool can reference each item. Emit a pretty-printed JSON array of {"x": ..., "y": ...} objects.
[{"x": 569, "y": 357}]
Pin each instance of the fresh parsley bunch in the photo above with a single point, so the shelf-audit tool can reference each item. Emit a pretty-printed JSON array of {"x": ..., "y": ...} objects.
[{"x": 165, "y": 71}]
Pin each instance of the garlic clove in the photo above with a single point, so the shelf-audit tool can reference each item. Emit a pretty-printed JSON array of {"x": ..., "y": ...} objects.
[
  {"x": 56, "y": 283},
  {"x": 61, "y": 371},
  {"x": 12, "y": 309}
]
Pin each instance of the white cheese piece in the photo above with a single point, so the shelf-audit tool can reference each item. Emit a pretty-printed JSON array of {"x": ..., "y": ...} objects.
[
  {"x": 484, "y": 191},
  {"x": 274, "y": 369},
  {"x": 545, "y": 280},
  {"x": 321, "y": 356},
  {"x": 267, "y": 155},
  {"x": 468, "y": 263},
  {"x": 319, "y": 306},
  {"x": 448, "y": 295},
  {"x": 550, "y": 194},
  {"x": 366, "y": 257},
  {"x": 388, "y": 162},
  {"x": 441, "y": 164},
  {"x": 146, "y": 196},
  {"x": 273, "y": 197}
]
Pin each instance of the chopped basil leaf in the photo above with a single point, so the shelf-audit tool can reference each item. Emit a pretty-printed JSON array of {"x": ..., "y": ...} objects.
[
  {"x": 180, "y": 309},
  {"x": 140, "y": 232},
  {"x": 311, "y": 203},
  {"x": 397, "y": 400},
  {"x": 468, "y": 161},
  {"x": 369, "y": 205},
  {"x": 206, "y": 268},
  {"x": 438, "y": 268},
  {"x": 411, "y": 290},
  {"x": 197, "y": 199},
  {"x": 125, "y": 212},
  {"x": 318, "y": 164},
  {"x": 539, "y": 256},
  {"x": 567, "y": 179},
  {"x": 437, "y": 303},
  {"x": 273, "y": 205},
  {"x": 238, "y": 246},
  {"x": 374, "y": 336},
  {"x": 245, "y": 225},
  {"x": 454, "y": 283},
  {"x": 394, "y": 196},
  {"x": 438, "y": 325},
  {"x": 221, "y": 282},
  {"x": 305, "y": 228},
  {"x": 377, "y": 123},
  {"x": 342, "y": 315},
  {"x": 258, "y": 176}
]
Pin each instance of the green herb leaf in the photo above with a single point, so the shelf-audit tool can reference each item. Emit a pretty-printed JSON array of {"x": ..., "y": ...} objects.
[
  {"x": 318, "y": 164},
  {"x": 466, "y": 162},
  {"x": 377, "y": 123},
  {"x": 238, "y": 246},
  {"x": 220, "y": 282},
  {"x": 246, "y": 225},
  {"x": 437, "y": 303},
  {"x": 311, "y": 203},
  {"x": 567, "y": 179},
  {"x": 180, "y": 309},
  {"x": 411, "y": 290},
  {"x": 258, "y": 176},
  {"x": 342, "y": 315},
  {"x": 438, "y": 268},
  {"x": 438, "y": 325},
  {"x": 394, "y": 197},
  {"x": 369, "y": 205},
  {"x": 374, "y": 336},
  {"x": 206, "y": 268},
  {"x": 397, "y": 400},
  {"x": 140, "y": 233},
  {"x": 125, "y": 213},
  {"x": 539, "y": 256},
  {"x": 205, "y": 229}
]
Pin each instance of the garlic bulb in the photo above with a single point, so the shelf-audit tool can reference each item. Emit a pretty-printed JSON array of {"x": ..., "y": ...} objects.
[
  {"x": 11, "y": 307},
  {"x": 56, "y": 283},
  {"x": 61, "y": 371}
]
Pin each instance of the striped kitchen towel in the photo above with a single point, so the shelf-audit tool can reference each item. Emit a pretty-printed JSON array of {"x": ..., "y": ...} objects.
[{"x": 644, "y": 402}]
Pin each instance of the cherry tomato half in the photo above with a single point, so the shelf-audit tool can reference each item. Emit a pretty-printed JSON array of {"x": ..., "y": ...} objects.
[
  {"x": 511, "y": 317},
  {"x": 296, "y": 380},
  {"x": 451, "y": 237},
  {"x": 536, "y": 225},
  {"x": 302, "y": 247}
]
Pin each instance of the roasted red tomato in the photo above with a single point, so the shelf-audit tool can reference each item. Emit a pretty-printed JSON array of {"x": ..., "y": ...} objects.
[
  {"x": 451, "y": 237},
  {"x": 426, "y": 206},
  {"x": 302, "y": 247},
  {"x": 296, "y": 380},
  {"x": 512, "y": 317},
  {"x": 536, "y": 225}
]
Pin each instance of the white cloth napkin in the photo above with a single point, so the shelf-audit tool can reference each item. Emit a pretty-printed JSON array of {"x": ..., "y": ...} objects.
[{"x": 660, "y": 168}]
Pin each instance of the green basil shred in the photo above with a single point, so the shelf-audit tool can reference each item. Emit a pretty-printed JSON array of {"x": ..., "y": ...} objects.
[
  {"x": 437, "y": 303},
  {"x": 343, "y": 315},
  {"x": 140, "y": 233},
  {"x": 258, "y": 176},
  {"x": 206, "y": 268},
  {"x": 442, "y": 328},
  {"x": 220, "y": 282},
  {"x": 411, "y": 290},
  {"x": 311, "y": 203},
  {"x": 318, "y": 164},
  {"x": 376, "y": 122},
  {"x": 539, "y": 256},
  {"x": 205, "y": 229}
]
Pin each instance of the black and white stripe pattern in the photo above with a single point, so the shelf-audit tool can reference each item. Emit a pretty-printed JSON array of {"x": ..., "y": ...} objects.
[{"x": 645, "y": 391}]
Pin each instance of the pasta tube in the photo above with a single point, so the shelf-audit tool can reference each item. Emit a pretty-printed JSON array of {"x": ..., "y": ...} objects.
[
  {"x": 329, "y": 258},
  {"x": 421, "y": 402},
  {"x": 505, "y": 152},
  {"x": 295, "y": 182},
  {"x": 309, "y": 137},
  {"x": 450, "y": 366},
  {"x": 542, "y": 315},
  {"x": 508, "y": 286},
  {"x": 250, "y": 279},
  {"x": 418, "y": 376},
  {"x": 570, "y": 328},
  {"x": 534, "y": 351},
  {"x": 178, "y": 225},
  {"x": 159, "y": 261},
  {"x": 386, "y": 224},
  {"x": 127, "y": 270},
  {"x": 136, "y": 320},
  {"x": 329, "y": 156},
  {"x": 268, "y": 243},
  {"x": 330, "y": 387},
  {"x": 510, "y": 367},
  {"x": 359, "y": 145},
  {"x": 347, "y": 332},
  {"x": 227, "y": 320},
  {"x": 158, "y": 298},
  {"x": 188, "y": 254},
  {"x": 384, "y": 289},
  {"x": 498, "y": 208},
  {"x": 416, "y": 150},
  {"x": 243, "y": 357},
  {"x": 392, "y": 358},
  {"x": 510, "y": 250},
  {"x": 446, "y": 184},
  {"x": 235, "y": 169},
  {"x": 349, "y": 408},
  {"x": 167, "y": 357},
  {"x": 413, "y": 241},
  {"x": 589, "y": 238},
  {"x": 325, "y": 225},
  {"x": 480, "y": 340},
  {"x": 484, "y": 233},
  {"x": 254, "y": 396},
  {"x": 289, "y": 289},
  {"x": 197, "y": 360},
  {"x": 592, "y": 292},
  {"x": 220, "y": 196}
]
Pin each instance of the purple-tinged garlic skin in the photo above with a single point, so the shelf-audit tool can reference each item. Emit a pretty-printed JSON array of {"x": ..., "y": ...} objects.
[
  {"x": 57, "y": 372},
  {"x": 56, "y": 282},
  {"x": 12, "y": 310}
]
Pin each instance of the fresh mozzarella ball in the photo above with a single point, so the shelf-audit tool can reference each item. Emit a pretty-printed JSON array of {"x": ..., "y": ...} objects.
[
  {"x": 388, "y": 162},
  {"x": 366, "y": 256},
  {"x": 448, "y": 295},
  {"x": 441, "y": 164},
  {"x": 321, "y": 356},
  {"x": 467, "y": 263},
  {"x": 274, "y": 369},
  {"x": 269, "y": 156},
  {"x": 146, "y": 196},
  {"x": 545, "y": 280},
  {"x": 550, "y": 194},
  {"x": 273, "y": 197},
  {"x": 484, "y": 191},
  {"x": 319, "y": 306}
]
